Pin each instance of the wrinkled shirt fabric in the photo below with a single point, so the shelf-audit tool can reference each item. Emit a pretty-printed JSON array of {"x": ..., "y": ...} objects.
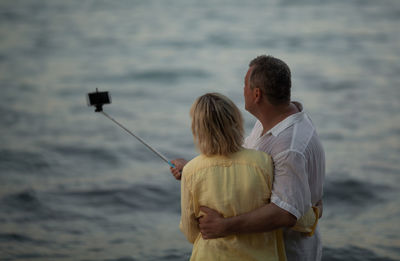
[
  {"x": 299, "y": 172},
  {"x": 232, "y": 185}
]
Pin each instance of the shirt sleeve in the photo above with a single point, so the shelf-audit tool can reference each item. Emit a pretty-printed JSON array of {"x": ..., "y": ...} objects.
[
  {"x": 188, "y": 224},
  {"x": 291, "y": 190}
]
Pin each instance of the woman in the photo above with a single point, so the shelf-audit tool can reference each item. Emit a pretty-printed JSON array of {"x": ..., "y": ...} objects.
[{"x": 228, "y": 178}]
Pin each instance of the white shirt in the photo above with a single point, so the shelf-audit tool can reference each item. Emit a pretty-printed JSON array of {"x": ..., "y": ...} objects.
[{"x": 299, "y": 171}]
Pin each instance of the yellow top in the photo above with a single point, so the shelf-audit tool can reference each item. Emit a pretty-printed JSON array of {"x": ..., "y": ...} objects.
[{"x": 231, "y": 185}]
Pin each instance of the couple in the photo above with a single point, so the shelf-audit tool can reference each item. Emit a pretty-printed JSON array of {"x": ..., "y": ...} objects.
[{"x": 261, "y": 199}]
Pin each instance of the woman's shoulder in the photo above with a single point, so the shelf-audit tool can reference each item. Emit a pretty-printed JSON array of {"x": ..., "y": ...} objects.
[
  {"x": 244, "y": 156},
  {"x": 195, "y": 163}
]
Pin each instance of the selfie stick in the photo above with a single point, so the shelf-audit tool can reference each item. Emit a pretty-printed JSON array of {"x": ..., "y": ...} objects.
[
  {"x": 98, "y": 99},
  {"x": 139, "y": 139}
]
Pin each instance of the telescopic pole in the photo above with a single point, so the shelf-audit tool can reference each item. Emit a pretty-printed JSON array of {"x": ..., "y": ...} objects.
[{"x": 139, "y": 139}]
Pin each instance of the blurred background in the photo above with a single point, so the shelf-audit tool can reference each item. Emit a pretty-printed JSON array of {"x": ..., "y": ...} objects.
[{"x": 74, "y": 186}]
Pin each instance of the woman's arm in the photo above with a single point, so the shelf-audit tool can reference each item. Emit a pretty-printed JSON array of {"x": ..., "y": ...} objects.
[{"x": 188, "y": 224}]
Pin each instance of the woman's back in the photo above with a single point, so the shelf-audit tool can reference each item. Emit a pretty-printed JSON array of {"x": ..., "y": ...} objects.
[{"x": 232, "y": 185}]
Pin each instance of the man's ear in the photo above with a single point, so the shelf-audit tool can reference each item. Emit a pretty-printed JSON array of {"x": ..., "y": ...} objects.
[{"x": 257, "y": 94}]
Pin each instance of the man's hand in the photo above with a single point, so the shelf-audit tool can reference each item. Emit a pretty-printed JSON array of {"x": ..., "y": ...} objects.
[
  {"x": 212, "y": 224},
  {"x": 320, "y": 207},
  {"x": 177, "y": 171}
]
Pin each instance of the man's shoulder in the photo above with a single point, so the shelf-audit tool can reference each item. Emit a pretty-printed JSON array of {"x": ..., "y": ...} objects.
[{"x": 274, "y": 145}]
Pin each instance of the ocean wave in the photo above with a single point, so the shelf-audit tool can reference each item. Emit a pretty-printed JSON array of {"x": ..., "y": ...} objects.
[
  {"x": 331, "y": 136},
  {"x": 31, "y": 206},
  {"x": 140, "y": 197},
  {"x": 36, "y": 256},
  {"x": 351, "y": 253},
  {"x": 162, "y": 75},
  {"x": 95, "y": 155},
  {"x": 20, "y": 238},
  {"x": 13, "y": 118},
  {"x": 127, "y": 258},
  {"x": 23, "y": 161},
  {"x": 353, "y": 193}
]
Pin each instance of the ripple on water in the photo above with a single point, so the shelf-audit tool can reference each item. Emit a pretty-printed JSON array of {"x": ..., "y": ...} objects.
[
  {"x": 352, "y": 193},
  {"x": 351, "y": 253}
]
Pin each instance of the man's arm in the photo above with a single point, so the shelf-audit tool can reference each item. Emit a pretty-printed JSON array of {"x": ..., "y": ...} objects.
[{"x": 214, "y": 225}]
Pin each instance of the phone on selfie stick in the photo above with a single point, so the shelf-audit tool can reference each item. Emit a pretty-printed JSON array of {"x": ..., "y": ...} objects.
[{"x": 98, "y": 99}]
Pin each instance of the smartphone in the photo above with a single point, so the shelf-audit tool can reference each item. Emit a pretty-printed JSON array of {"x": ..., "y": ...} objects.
[{"x": 98, "y": 99}]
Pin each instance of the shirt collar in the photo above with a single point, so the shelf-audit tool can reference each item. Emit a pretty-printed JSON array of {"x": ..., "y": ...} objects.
[{"x": 289, "y": 121}]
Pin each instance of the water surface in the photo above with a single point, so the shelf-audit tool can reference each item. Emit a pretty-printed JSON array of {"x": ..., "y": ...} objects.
[{"x": 73, "y": 186}]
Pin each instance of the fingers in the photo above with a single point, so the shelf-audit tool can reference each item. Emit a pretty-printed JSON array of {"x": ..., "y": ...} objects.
[
  {"x": 179, "y": 163},
  {"x": 211, "y": 223},
  {"x": 174, "y": 162},
  {"x": 176, "y": 173},
  {"x": 177, "y": 176},
  {"x": 320, "y": 207}
]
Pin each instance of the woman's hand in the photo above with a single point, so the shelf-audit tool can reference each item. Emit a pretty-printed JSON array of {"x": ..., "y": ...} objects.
[{"x": 177, "y": 171}]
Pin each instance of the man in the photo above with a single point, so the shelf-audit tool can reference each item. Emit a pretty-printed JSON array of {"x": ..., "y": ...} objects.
[{"x": 285, "y": 132}]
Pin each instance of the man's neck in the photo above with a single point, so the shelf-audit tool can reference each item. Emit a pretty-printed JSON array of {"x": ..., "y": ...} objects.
[{"x": 270, "y": 115}]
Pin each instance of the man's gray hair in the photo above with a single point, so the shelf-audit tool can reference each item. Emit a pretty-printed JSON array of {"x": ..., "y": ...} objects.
[{"x": 273, "y": 77}]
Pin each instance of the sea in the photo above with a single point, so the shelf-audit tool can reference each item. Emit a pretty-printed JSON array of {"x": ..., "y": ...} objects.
[{"x": 75, "y": 186}]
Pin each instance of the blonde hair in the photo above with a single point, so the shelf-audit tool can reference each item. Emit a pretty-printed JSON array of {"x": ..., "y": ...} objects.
[{"x": 217, "y": 125}]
